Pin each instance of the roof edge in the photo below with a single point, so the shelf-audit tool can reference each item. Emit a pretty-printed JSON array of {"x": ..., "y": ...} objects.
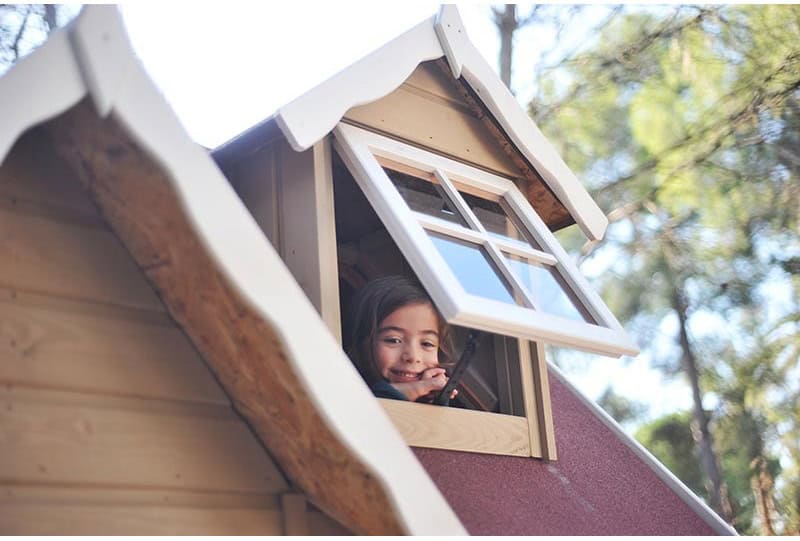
[
  {"x": 99, "y": 61},
  {"x": 313, "y": 115},
  {"x": 676, "y": 485}
]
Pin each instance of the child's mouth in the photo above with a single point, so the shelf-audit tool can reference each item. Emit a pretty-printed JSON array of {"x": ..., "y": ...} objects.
[{"x": 402, "y": 376}]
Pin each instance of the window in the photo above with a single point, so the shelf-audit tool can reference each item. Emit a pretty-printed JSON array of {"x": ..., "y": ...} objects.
[
  {"x": 478, "y": 247},
  {"x": 489, "y": 262}
]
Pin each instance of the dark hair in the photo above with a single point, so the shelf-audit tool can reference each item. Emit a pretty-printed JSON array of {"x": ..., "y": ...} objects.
[{"x": 371, "y": 305}]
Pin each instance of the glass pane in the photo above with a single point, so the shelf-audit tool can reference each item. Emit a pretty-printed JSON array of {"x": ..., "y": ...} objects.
[
  {"x": 494, "y": 217},
  {"x": 473, "y": 268},
  {"x": 424, "y": 196},
  {"x": 547, "y": 291}
]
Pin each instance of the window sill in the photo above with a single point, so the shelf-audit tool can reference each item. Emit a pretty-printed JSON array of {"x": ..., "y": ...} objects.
[{"x": 425, "y": 425}]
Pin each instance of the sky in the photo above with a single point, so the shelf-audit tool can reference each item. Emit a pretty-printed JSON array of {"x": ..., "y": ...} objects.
[{"x": 226, "y": 66}]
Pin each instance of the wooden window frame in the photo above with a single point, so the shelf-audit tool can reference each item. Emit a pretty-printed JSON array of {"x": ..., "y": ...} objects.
[{"x": 362, "y": 151}]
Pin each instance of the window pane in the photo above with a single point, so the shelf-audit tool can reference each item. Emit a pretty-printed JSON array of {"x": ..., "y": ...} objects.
[
  {"x": 473, "y": 268},
  {"x": 425, "y": 196},
  {"x": 494, "y": 217},
  {"x": 547, "y": 291}
]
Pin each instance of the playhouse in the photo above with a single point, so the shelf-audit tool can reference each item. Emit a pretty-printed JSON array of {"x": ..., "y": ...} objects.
[{"x": 171, "y": 325}]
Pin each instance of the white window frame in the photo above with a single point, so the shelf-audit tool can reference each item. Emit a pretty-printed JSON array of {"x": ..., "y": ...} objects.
[{"x": 360, "y": 149}]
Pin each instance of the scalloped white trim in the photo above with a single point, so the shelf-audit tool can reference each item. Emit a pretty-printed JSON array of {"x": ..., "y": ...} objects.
[{"x": 97, "y": 60}]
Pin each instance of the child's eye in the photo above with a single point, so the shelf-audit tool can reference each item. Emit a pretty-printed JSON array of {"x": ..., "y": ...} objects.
[
  {"x": 428, "y": 344},
  {"x": 391, "y": 340}
]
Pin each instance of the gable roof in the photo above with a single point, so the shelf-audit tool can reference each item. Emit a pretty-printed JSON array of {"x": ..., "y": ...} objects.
[
  {"x": 176, "y": 213},
  {"x": 313, "y": 115}
]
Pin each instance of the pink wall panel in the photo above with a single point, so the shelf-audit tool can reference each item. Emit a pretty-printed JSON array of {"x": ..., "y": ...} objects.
[{"x": 598, "y": 486}]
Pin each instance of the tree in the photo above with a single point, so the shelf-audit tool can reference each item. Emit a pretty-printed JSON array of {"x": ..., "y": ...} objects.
[
  {"x": 23, "y": 27},
  {"x": 685, "y": 121}
]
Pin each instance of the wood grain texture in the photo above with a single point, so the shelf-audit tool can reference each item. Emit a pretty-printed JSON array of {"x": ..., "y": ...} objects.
[
  {"x": 434, "y": 111},
  {"x": 424, "y": 425},
  {"x": 295, "y": 514},
  {"x": 72, "y": 261},
  {"x": 241, "y": 348},
  {"x": 552, "y": 211},
  {"x": 59, "y": 437},
  {"x": 45, "y": 345},
  {"x": 119, "y": 519}
]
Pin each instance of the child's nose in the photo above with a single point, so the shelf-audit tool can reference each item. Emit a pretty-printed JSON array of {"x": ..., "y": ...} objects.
[{"x": 410, "y": 354}]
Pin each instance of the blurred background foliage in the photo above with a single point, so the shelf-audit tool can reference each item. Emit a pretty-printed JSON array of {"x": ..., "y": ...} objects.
[{"x": 684, "y": 122}]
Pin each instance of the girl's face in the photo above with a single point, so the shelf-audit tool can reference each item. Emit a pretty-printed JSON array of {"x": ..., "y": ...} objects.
[{"x": 407, "y": 343}]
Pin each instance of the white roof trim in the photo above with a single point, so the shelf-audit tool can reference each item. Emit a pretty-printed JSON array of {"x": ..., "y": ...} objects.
[
  {"x": 676, "y": 485},
  {"x": 118, "y": 84},
  {"x": 313, "y": 115},
  {"x": 310, "y": 117}
]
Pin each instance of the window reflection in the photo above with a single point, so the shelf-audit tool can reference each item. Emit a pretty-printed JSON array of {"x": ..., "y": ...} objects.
[
  {"x": 546, "y": 289},
  {"x": 495, "y": 217},
  {"x": 473, "y": 268},
  {"x": 425, "y": 196}
]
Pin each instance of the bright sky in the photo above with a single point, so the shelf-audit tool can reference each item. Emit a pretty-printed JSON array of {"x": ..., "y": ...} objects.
[{"x": 226, "y": 66}]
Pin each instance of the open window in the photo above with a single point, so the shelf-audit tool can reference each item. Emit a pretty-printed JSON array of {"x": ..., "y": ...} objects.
[
  {"x": 484, "y": 255},
  {"x": 489, "y": 263}
]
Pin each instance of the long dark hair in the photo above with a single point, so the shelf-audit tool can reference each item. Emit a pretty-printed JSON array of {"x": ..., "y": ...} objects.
[{"x": 371, "y": 305}]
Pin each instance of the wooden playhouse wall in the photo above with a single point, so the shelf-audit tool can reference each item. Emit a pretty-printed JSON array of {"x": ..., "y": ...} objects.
[{"x": 110, "y": 422}]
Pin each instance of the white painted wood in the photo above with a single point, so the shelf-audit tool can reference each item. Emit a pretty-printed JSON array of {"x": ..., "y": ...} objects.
[
  {"x": 452, "y": 34},
  {"x": 676, "y": 485},
  {"x": 102, "y": 48},
  {"x": 250, "y": 264},
  {"x": 310, "y": 117},
  {"x": 532, "y": 143},
  {"x": 360, "y": 149},
  {"x": 48, "y": 82}
]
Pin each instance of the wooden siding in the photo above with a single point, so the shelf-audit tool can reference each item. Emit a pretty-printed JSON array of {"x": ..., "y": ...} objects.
[
  {"x": 434, "y": 111},
  {"x": 110, "y": 422}
]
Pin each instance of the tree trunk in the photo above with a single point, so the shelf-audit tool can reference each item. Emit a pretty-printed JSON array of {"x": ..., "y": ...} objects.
[
  {"x": 506, "y": 22},
  {"x": 717, "y": 489},
  {"x": 50, "y": 17},
  {"x": 762, "y": 484}
]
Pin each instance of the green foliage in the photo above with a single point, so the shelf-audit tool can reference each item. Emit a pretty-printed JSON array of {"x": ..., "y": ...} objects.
[
  {"x": 685, "y": 122},
  {"x": 669, "y": 438}
]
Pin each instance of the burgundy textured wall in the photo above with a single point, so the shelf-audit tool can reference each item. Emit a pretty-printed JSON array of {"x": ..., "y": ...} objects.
[{"x": 598, "y": 486}]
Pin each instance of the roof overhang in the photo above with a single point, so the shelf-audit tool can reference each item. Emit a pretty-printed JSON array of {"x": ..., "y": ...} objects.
[
  {"x": 177, "y": 215},
  {"x": 313, "y": 115}
]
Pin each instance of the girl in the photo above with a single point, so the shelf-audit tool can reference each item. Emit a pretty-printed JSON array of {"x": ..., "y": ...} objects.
[{"x": 398, "y": 340}]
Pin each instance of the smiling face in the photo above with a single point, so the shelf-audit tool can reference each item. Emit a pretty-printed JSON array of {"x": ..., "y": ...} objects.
[{"x": 407, "y": 343}]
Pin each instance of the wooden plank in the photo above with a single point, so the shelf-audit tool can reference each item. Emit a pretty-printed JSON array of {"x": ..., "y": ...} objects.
[
  {"x": 321, "y": 524},
  {"x": 307, "y": 225},
  {"x": 416, "y": 118},
  {"x": 543, "y": 405},
  {"x": 295, "y": 517},
  {"x": 254, "y": 178},
  {"x": 326, "y": 237},
  {"x": 46, "y": 256},
  {"x": 429, "y": 78},
  {"x": 49, "y": 347},
  {"x": 91, "y": 495},
  {"x": 72, "y": 438},
  {"x": 424, "y": 425},
  {"x": 99, "y": 519},
  {"x": 34, "y": 177},
  {"x": 147, "y": 208},
  {"x": 530, "y": 396}
]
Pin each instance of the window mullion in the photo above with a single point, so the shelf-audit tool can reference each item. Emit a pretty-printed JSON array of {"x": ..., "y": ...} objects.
[
  {"x": 431, "y": 223},
  {"x": 505, "y": 269},
  {"x": 524, "y": 251},
  {"x": 458, "y": 201}
]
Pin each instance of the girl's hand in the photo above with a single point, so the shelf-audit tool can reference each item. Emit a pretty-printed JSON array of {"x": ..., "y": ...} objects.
[{"x": 431, "y": 381}]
